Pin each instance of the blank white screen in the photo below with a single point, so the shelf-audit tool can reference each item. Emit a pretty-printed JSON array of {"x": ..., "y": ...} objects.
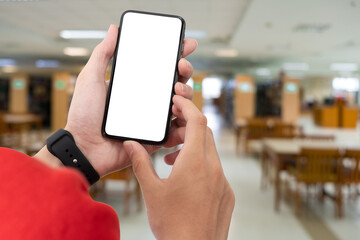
[{"x": 143, "y": 76}]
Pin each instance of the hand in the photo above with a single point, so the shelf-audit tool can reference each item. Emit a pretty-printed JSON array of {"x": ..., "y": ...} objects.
[
  {"x": 88, "y": 104},
  {"x": 196, "y": 201}
]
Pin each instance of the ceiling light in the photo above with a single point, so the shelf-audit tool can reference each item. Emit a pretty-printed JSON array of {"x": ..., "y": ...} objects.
[
  {"x": 47, "y": 63},
  {"x": 344, "y": 67},
  {"x": 82, "y": 34},
  {"x": 296, "y": 66},
  {"x": 76, "y": 51},
  {"x": 196, "y": 34},
  {"x": 263, "y": 72},
  {"x": 9, "y": 69},
  {"x": 227, "y": 53},
  {"x": 7, "y": 62}
]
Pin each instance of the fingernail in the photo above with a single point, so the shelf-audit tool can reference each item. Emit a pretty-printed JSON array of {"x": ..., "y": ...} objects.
[{"x": 128, "y": 148}]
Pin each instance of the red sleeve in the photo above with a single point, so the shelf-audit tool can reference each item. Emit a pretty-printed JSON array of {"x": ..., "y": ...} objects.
[{"x": 39, "y": 202}]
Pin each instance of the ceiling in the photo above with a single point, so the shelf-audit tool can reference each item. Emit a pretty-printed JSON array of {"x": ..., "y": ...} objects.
[{"x": 264, "y": 33}]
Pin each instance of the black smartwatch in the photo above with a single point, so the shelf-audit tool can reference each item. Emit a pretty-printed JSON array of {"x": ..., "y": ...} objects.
[{"x": 62, "y": 145}]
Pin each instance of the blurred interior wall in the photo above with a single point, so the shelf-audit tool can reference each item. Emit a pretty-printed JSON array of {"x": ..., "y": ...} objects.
[
  {"x": 317, "y": 88},
  {"x": 19, "y": 88}
]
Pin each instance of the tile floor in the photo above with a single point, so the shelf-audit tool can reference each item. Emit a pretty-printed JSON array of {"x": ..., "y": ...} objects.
[{"x": 253, "y": 216}]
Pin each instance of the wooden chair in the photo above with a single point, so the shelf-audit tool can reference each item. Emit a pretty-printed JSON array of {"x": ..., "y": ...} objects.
[
  {"x": 318, "y": 166},
  {"x": 8, "y": 137},
  {"x": 284, "y": 130},
  {"x": 351, "y": 168},
  {"x": 255, "y": 131},
  {"x": 128, "y": 176}
]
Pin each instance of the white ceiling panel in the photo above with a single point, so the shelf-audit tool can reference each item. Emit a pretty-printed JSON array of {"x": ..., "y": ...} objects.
[{"x": 261, "y": 30}]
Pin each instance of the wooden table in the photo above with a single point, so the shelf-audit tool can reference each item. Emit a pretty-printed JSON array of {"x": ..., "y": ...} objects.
[
  {"x": 21, "y": 122},
  {"x": 13, "y": 119},
  {"x": 279, "y": 151}
]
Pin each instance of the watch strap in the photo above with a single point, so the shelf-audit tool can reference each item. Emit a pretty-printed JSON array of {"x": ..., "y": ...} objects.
[{"x": 62, "y": 145}]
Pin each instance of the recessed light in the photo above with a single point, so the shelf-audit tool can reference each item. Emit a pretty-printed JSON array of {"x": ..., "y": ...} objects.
[
  {"x": 82, "y": 34},
  {"x": 7, "y": 62},
  {"x": 76, "y": 51},
  {"x": 293, "y": 66},
  {"x": 227, "y": 53},
  {"x": 41, "y": 63},
  {"x": 344, "y": 67}
]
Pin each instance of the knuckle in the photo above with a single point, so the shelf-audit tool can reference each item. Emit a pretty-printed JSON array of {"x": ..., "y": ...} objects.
[
  {"x": 201, "y": 120},
  {"x": 230, "y": 195},
  {"x": 101, "y": 53},
  {"x": 218, "y": 173}
]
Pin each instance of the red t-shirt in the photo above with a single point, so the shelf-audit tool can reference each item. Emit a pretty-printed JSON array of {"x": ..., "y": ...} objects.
[{"x": 39, "y": 202}]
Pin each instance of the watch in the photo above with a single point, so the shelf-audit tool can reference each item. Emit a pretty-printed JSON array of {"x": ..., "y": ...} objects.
[{"x": 62, "y": 145}]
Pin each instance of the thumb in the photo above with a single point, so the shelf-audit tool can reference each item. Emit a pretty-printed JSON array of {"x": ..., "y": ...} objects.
[
  {"x": 103, "y": 52},
  {"x": 141, "y": 163}
]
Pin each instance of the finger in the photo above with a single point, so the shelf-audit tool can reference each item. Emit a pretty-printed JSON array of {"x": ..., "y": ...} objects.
[
  {"x": 107, "y": 83},
  {"x": 184, "y": 90},
  {"x": 185, "y": 70},
  {"x": 171, "y": 157},
  {"x": 196, "y": 122},
  {"x": 141, "y": 163},
  {"x": 189, "y": 45},
  {"x": 211, "y": 151},
  {"x": 179, "y": 122},
  {"x": 176, "y": 137},
  {"x": 151, "y": 148},
  {"x": 103, "y": 53}
]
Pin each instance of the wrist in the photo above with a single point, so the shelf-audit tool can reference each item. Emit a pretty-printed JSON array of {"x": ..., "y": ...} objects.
[
  {"x": 46, "y": 157},
  {"x": 87, "y": 148},
  {"x": 194, "y": 231},
  {"x": 62, "y": 145}
]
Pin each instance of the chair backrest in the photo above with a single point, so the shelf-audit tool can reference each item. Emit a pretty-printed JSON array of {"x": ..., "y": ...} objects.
[
  {"x": 351, "y": 167},
  {"x": 284, "y": 130},
  {"x": 256, "y": 130},
  {"x": 318, "y": 165}
]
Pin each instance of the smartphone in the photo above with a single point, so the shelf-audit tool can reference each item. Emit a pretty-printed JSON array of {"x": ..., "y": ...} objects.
[{"x": 144, "y": 73}]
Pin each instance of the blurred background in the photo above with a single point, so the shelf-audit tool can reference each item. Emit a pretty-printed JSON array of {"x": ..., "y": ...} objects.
[{"x": 278, "y": 81}]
